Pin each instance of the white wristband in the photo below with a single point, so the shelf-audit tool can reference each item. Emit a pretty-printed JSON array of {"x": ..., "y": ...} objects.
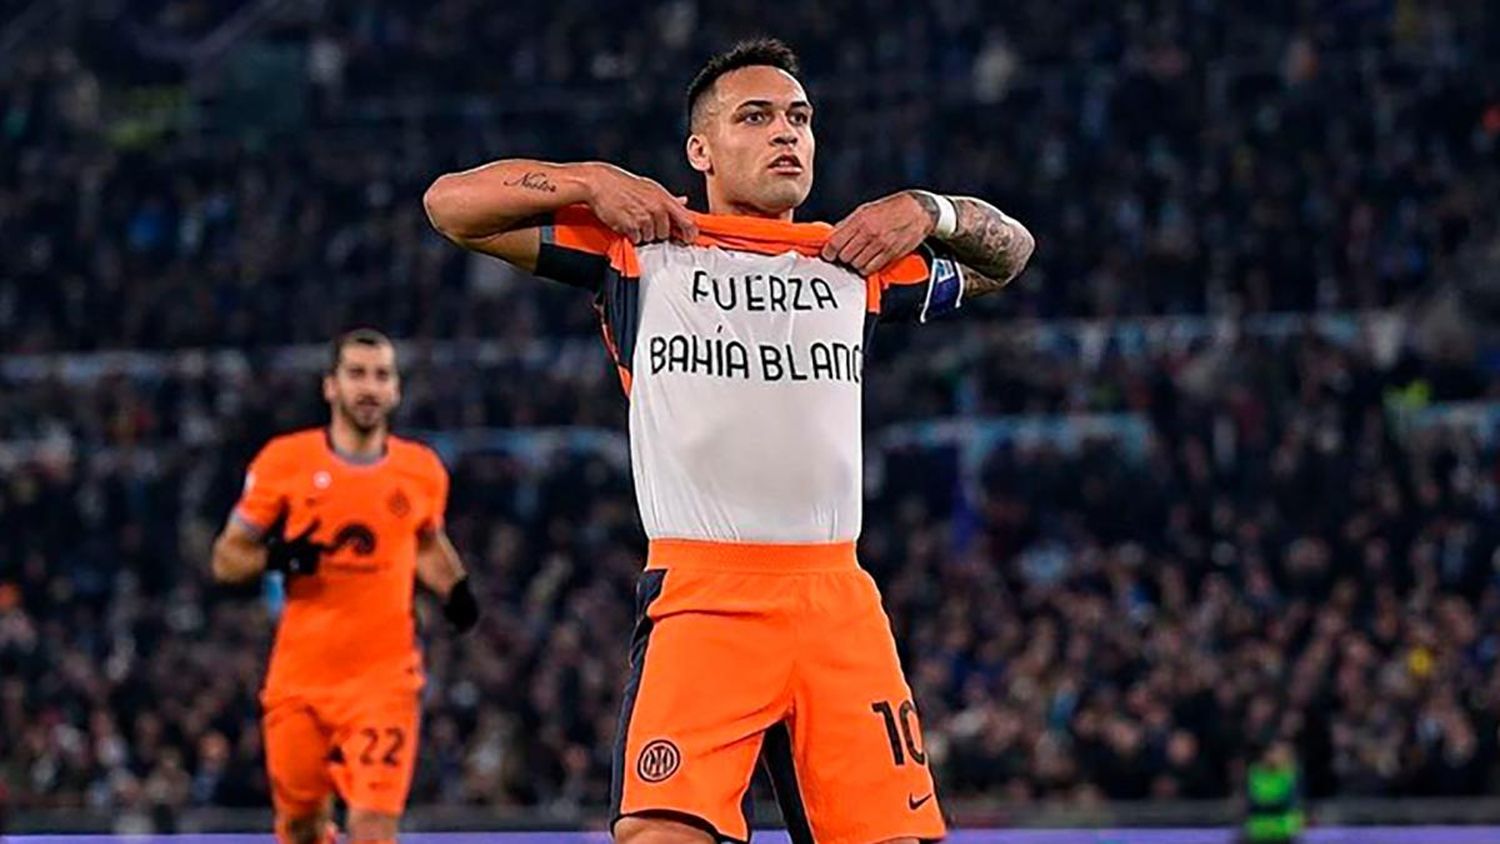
[{"x": 947, "y": 221}]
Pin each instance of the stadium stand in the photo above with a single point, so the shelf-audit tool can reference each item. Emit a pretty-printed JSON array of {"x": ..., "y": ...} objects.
[{"x": 1204, "y": 479}]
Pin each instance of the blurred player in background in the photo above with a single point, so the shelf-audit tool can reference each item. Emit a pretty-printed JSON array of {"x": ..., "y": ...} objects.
[
  {"x": 353, "y": 516},
  {"x": 739, "y": 336}
]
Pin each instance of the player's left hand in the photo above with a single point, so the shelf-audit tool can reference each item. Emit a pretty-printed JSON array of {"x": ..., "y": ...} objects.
[
  {"x": 460, "y": 608},
  {"x": 879, "y": 232}
]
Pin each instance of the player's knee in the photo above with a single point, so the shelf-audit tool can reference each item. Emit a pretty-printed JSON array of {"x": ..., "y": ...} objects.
[
  {"x": 366, "y": 826},
  {"x": 648, "y": 830}
]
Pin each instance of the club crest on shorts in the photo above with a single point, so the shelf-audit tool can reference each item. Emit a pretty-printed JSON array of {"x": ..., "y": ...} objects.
[{"x": 659, "y": 760}]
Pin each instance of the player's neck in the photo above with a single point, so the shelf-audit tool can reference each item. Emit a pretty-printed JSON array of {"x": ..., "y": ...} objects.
[
  {"x": 354, "y": 445},
  {"x": 731, "y": 208}
]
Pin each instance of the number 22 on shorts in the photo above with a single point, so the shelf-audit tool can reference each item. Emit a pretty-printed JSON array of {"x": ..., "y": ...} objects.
[{"x": 395, "y": 739}]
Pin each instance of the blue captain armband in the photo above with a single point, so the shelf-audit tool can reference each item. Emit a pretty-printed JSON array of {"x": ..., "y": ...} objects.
[{"x": 945, "y": 283}]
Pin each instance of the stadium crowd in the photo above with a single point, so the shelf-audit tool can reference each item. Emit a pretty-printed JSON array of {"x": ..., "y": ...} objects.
[
  {"x": 1199, "y": 157},
  {"x": 1292, "y": 556}
]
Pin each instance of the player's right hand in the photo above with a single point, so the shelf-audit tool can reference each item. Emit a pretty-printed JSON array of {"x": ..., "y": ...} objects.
[
  {"x": 638, "y": 208},
  {"x": 295, "y": 555}
]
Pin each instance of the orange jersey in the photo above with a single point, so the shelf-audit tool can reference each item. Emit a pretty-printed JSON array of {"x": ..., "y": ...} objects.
[{"x": 351, "y": 623}]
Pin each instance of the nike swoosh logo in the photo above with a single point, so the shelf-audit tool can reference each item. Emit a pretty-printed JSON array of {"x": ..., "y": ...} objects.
[{"x": 914, "y": 804}]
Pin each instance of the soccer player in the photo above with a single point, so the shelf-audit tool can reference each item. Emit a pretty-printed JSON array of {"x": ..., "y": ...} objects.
[
  {"x": 739, "y": 336},
  {"x": 353, "y": 516}
]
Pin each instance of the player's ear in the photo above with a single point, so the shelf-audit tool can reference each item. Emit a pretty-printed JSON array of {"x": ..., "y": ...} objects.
[
  {"x": 697, "y": 153},
  {"x": 329, "y": 392}
]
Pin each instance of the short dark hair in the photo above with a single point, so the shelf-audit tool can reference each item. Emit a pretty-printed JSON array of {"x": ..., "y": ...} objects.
[
  {"x": 769, "y": 52},
  {"x": 355, "y": 337}
]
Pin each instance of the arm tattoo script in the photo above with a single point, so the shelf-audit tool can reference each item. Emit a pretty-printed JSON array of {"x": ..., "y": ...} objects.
[{"x": 535, "y": 180}]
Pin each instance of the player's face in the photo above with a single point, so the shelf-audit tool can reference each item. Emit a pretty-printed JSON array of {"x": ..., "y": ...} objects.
[
  {"x": 365, "y": 387},
  {"x": 756, "y": 144}
]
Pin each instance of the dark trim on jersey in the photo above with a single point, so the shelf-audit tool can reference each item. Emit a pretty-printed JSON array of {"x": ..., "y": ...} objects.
[
  {"x": 647, "y": 590},
  {"x": 256, "y": 531},
  {"x": 872, "y": 321},
  {"x": 747, "y": 809},
  {"x": 747, "y": 800},
  {"x": 619, "y": 305},
  {"x": 776, "y": 755},
  {"x": 572, "y": 267},
  {"x": 355, "y": 459}
]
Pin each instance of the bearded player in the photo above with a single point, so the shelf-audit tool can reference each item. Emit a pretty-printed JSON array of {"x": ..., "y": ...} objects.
[
  {"x": 353, "y": 516},
  {"x": 739, "y": 337}
]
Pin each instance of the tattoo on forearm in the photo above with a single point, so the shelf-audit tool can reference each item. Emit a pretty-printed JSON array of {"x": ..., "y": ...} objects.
[
  {"x": 535, "y": 180},
  {"x": 977, "y": 283},
  {"x": 988, "y": 242},
  {"x": 992, "y": 247}
]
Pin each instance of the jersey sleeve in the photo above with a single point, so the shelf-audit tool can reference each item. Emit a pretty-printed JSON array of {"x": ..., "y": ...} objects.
[
  {"x": 577, "y": 249},
  {"x": 264, "y": 494},
  {"x": 437, "y": 495},
  {"x": 922, "y": 285}
]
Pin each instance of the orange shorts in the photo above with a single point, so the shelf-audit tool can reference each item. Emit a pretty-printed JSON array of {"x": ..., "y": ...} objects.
[
  {"x": 362, "y": 747},
  {"x": 775, "y": 652}
]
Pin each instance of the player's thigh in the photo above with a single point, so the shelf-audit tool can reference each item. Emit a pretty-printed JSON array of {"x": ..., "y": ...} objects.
[
  {"x": 646, "y": 829},
  {"x": 709, "y": 669},
  {"x": 297, "y": 746},
  {"x": 377, "y": 736},
  {"x": 854, "y": 757}
]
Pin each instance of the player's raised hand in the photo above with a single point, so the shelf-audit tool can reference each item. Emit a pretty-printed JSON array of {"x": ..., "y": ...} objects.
[
  {"x": 877, "y": 233},
  {"x": 639, "y": 208},
  {"x": 295, "y": 555}
]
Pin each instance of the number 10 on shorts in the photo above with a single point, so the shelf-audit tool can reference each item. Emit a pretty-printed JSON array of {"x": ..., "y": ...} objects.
[{"x": 901, "y": 728}]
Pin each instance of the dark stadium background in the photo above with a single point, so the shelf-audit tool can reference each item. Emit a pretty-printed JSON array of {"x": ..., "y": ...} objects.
[{"x": 1219, "y": 470}]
